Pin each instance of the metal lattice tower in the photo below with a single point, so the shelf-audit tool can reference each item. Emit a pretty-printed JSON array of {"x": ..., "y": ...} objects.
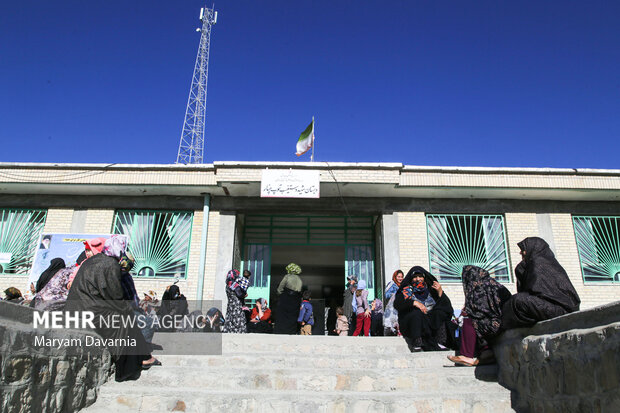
[{"x": 191, "y": 146}]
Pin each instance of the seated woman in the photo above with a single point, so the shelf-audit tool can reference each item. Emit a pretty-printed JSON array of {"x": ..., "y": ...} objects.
[
  {"x": 173, "y": 307},
  {"x": 260, "y": 319},
  {"x": 544, "y": 290},
  {"x": 424, "y": 311},
  {"x": 484, "y": 298},
  {"x": 53, "y": 294},
  {"x": 214, "y": 321}
]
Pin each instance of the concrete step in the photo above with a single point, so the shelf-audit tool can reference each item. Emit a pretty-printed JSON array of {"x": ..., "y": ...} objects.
[
  {"x": 313, "y": 380},
  {"x": 241, "y": 400},
  {"x": 268, "y": 373},
  {"x": 278, "y": 344},
  {"x": 320, "y": 361}
]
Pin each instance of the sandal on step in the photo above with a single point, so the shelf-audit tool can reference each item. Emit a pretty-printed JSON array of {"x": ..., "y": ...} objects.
[
  {"x": 149, "y": 365},
  {"x": 460, "y": 362}
]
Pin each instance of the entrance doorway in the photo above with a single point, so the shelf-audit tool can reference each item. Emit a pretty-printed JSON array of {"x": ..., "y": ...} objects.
[
  {"x": 328, "y": 248},
  {"x": 322, "y": 269}
]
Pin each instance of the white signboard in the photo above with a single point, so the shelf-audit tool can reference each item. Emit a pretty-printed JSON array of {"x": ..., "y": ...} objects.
[{"x": 288, "y": 183}]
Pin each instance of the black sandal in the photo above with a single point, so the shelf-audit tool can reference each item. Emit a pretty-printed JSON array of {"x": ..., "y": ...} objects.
[{"x": 149, "y": 365}]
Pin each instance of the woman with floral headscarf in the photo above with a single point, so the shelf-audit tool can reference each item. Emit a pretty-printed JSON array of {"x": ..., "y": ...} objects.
[
  {"x": 289, "y": 300},
  {"x": 235, "y": 318},
  {"x": 424, "y": 311}
]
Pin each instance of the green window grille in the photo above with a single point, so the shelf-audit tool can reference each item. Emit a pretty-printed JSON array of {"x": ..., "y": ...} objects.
[
  {"x": 455, "y": 241},
  {"x": 360, "y": 261},
  {"x": 158, "y": 240},
  {"x": 307, "y": 230},
  {"x": 258, "y": 262},
  {"x": 20, "y": 230},
  {"x": 598, "y": 243}
]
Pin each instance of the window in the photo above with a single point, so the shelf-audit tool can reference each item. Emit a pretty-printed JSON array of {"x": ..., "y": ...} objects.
[
  {"x": 455, "y": 241},
  {"x": 159, "y": 241},
  {"x": 19, "y": 236},
  {"x": 598, "y": 243}
]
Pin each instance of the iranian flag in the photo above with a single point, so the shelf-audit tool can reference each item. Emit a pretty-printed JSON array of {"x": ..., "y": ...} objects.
[{"x": 306, "y": 139}]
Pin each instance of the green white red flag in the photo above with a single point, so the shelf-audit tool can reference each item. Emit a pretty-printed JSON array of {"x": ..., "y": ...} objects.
[{"x": 306, "y": 139}]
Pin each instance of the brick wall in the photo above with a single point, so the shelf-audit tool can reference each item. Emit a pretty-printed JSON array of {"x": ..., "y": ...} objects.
[{"x": 99, "y": 221}]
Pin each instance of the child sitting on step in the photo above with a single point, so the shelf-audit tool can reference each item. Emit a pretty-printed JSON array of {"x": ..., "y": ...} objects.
[
  {"x": 342, "y": 324},
  {"x": 306, "y": 316}
]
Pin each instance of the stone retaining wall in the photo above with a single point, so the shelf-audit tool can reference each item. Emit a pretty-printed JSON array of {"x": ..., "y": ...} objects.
[
  {"x": 45, "y": 380},
  {"x": 567, "y": 364}
]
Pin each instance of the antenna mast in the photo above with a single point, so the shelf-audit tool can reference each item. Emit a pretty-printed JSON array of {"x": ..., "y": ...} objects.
[{"x": 192, "y": 142}]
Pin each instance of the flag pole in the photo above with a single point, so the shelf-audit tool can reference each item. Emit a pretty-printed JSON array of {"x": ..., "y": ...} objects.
[{"x": 312, "y": 155}]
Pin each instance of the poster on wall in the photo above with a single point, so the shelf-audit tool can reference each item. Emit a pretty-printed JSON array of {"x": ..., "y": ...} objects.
[
  {"x": 288, "y": 183},
  {"x": 65, "y": 246}
]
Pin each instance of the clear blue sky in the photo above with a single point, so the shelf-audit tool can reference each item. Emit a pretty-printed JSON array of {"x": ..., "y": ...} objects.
[{"x": 467, "y": 83}]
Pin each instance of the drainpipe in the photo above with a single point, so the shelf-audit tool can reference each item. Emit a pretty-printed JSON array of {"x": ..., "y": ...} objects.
[{"x": 203, "y": 248}]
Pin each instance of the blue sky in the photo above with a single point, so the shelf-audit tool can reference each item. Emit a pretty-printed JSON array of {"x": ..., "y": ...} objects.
[{"x": 474, "y": 83}]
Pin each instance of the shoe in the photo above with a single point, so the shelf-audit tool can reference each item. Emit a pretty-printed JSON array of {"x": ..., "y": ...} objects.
[
  {"x": 460, "y": 362},
  {"x": 148, "y": 366},
  {"x": 416, "y": 349}
]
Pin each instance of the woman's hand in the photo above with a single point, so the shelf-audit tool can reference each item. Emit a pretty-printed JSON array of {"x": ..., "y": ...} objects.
[
  {"x": 436, "y": 286},
  {"x": 420, "y": 306},
  {"x": 367, "y": 313}
]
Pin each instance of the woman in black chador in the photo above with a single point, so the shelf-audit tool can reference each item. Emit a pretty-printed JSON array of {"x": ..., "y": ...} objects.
[
  {"x": 97, "y": 287},
  {"x": 424, "y": 311},
  {"x": 544, "y": 290}
]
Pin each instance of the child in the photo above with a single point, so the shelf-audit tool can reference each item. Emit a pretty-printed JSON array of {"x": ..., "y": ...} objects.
[
  {"x": 376, "y": 318},
  {"x": 306, "y": 317},
  {"x": 363, "y": 310},
  {"x": 342, "y": 324}
]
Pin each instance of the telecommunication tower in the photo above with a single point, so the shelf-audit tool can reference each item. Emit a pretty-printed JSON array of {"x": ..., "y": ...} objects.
[{"x": 192, "y": 142}]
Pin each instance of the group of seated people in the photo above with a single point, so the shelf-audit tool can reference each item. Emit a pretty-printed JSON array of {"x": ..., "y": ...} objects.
[{"x": 425, "y": 313}]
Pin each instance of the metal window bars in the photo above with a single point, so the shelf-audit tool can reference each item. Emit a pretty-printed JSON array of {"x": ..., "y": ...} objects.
[
  {"x": 20, "y": 230},
  {"x": 598, "y": 245},
  {"x": 455, "y": 241},
  {"x": 158, "y": 240}
]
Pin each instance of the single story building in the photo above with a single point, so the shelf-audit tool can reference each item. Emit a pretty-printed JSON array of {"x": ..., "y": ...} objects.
[{"x": 193, "y": 223}]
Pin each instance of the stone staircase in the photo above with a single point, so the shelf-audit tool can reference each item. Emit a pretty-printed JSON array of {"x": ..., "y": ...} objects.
[{"x": 272, "y": 373}]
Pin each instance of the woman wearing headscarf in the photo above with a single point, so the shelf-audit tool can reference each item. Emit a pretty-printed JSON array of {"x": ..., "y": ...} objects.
[
  {"x": 54, "y": 294},
  {"x": 390, "y": 315},
  {"x": 173, "y": 307},
  {"x": 424, "y": 310},
  {"x": 92, "y": 247},
  {"x": 260, "y": 318},
  {"x": 235, "y": 317},
  {"x": 13, "y": 295},
  {"x": 56, "y": 265},
  {"x": 213, "y": 321},
  {"x": 97, "y": 288},
  {"x": 289, "y": 301},
  {"x": 348, "y": 300},
  {"x": 376, "y": 317},
  {"x": 544, "y": 290},
  {"x": 482, "y": 322}
]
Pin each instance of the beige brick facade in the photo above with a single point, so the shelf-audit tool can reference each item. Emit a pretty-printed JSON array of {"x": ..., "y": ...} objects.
[
  {"x": 99, "y": 221},
  {"x": 58, "y": 220},
  {"x": 520, "y": 194}
]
